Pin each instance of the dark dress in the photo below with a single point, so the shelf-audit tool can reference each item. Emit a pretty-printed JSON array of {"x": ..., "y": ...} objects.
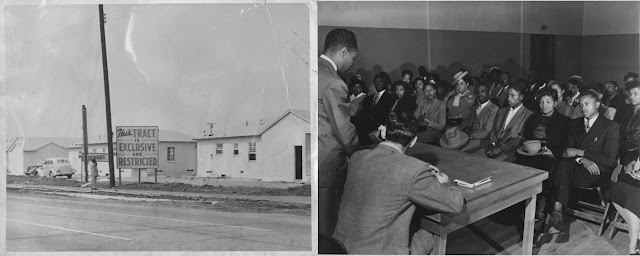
[
  {"x": 626, "y": 191},
  {"x": 552, "y": 132}
]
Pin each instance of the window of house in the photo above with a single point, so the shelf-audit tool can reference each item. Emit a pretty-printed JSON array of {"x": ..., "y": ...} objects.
[
  {"x": 219, "y": 149},
  {"x": 93, "y": 150},
  {"x": 104, "y": 150},
  {"x": 252, "y": 151},
  {"x": 171, "y": 154},
  {"x": 235, "y": 149}
]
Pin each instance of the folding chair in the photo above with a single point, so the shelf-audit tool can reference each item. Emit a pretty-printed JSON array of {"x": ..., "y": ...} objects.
[
  {"x": 616, "y": 224},
  {"x": 602, "y": 210}
]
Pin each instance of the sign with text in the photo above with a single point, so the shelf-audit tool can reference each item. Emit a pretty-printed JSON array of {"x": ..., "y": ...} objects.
[
  {"x": 99, "y": 157},
  {"x": 137, "y": 147}
]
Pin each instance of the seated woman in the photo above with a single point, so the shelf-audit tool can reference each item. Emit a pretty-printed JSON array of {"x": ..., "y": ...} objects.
[
  {"x": 418, "y": 94},
  {"x": 561, "y": 106},
  {"x": 432, "y": 115},
  {"x": 404, "y": 103},
  {"x": 550, "y": 128},
  {"x": 624, "y": 194},
  {"x": 460, "y": 104}
]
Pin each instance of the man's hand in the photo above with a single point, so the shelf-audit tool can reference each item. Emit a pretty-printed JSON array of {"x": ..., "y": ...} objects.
[
  {"x": 383, "y": 131},
  {"x": 434, "y": 169},
  {"x": 629, "y": 168},
  {"x": 493, "y": 152},
  {"x": 442, "y": 178},
  {"x": 571, "y": 152},
  {"x": 635, "y": 175},
  {"x": 467, "y": 130},
  {"x": 591, "y": 166}
]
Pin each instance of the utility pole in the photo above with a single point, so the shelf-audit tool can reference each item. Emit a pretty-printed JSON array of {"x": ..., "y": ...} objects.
[
  {"x": 86, "y": 142},
  {"x": 107, "y": 100}
]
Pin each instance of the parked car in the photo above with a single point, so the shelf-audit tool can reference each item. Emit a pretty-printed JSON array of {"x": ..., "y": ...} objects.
[
  {"x": 33, "y": 170},
  {"x": 56, "y": 166}
]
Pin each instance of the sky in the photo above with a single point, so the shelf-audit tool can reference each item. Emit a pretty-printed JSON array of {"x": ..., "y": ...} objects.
[{"x": 175, "y": 66}]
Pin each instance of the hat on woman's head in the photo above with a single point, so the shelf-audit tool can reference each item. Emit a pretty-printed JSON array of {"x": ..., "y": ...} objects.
[
  {"x": 459, "y": 75},
  {"x": 576, "y": 77},
  {"x": 631, "y": 84}
]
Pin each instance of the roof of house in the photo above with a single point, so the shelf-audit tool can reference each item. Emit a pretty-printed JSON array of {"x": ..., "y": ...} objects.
[
  {"x": 163, "y": 136},
  {"x": 255, "y": 128},
  {"x": 34, "y": 143}
]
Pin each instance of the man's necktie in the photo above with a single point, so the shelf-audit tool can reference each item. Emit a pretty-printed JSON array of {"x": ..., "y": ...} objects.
[
  {"x": 587, "y": 126},
  {"x": 376, "y": 99}
]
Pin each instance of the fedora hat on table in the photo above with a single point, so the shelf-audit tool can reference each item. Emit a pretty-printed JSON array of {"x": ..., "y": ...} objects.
[{"x": 453, "y": 138}]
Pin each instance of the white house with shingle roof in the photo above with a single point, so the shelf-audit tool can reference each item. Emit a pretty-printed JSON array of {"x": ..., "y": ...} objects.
[
  {"x": 23, "y": 152},
  {"x": 177, "y": 153},
  {"x": 274, "y": 149}
]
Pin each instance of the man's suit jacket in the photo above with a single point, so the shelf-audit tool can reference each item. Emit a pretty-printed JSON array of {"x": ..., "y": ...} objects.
[
  {"x": 499, "y": 98},
  {"x": 483, "y": 122},
  {"x": 378, "y": 201},
  {"x": 336, "y": 135},
  {"x": 437, "y": 113},
  {"x": 600, "y": 144},
  {"x": 372, "y": 115},
  {"x": 510, "y": 137}
]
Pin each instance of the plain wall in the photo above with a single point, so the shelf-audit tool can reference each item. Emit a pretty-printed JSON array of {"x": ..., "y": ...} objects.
[
  {"x": 228, "y": 164},
  {"x": 185, "y": 159},
  {"x": 392, "y": 50},
  {"x": 609, "y": 57}
]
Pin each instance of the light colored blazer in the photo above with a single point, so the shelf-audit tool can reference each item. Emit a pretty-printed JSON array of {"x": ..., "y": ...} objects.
[
  {"x": 483, "y": 122},
  {"x": 378, "y": 201},
  {"x": 336, "y": 135},
  {"x": 510, "y": 137},
  {"x": 93, "y": 169},
  {"x": 437, "y": 113}
]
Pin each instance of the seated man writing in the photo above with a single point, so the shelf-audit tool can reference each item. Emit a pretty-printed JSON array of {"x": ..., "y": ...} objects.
[
  {"x": 381, "y": 190},
  {"x": 589, "y": 160}
]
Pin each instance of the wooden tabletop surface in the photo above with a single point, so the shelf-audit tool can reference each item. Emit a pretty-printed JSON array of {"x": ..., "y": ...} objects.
[{"x": 507, "y": 178}]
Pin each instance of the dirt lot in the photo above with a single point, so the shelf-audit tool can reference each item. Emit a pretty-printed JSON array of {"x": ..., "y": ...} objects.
[
  {"x": 227, "y": 205},
  {"x": 230, "y": 187}
]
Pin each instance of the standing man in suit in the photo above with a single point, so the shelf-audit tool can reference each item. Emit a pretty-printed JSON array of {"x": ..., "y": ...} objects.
[
  {"x": 382, "y": 188},
  {"x": 337, "y": 138},
  {"x": 375, "y": 109},
  {"x": 482, "y": 121},
  {"x": 589, "y": 160},
  {"x": 506, "y": 134}
]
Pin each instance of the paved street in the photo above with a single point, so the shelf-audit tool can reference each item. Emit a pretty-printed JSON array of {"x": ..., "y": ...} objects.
[{"x": 44, "y": 224}]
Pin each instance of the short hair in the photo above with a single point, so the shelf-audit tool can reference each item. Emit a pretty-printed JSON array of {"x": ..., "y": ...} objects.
[
  {"x": 400, "y": 83},
  {"x": 361, "y": 83},
  {"x": 338, "y": 38},
  {"x": 422, "y": 71},
  {"x": 507, "y": 73},
  {"x": 481, "y": 85},
  {"x": 407, "y": 72},
  {"x": 93, "y": 160},
  {"x": 520, "y": 88},
  {"x": 576, "y": 82},
  {"x": 401, "y": 128},
  {"x": 415, "y": 81},
  {"x": 547, "y": 92},
  {"x": 592, "y": 93},
  {"x": 630, "y": 74},
  {"x": 631, "y": 84},
  {"x": 614, "y": 83},
  {"x": 385, "y": 77}
]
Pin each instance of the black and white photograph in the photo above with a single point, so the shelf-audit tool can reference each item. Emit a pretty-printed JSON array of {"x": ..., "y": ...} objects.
[
  {"x": 148, "y": 126},
  {"x": 486, "y": 127}
]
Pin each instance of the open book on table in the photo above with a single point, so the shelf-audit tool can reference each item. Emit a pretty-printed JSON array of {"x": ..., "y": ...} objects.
[{"x": 472, "y": 185}]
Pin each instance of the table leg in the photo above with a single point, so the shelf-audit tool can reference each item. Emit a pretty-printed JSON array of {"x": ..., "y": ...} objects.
[
  {"x": 529, "y": 222},
  {"x": 440, "y": 245}
]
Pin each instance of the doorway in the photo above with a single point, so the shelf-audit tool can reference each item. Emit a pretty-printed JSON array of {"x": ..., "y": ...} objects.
[
  {"x": 542, "y": 56},
  {"x": 298, "y": 152}
]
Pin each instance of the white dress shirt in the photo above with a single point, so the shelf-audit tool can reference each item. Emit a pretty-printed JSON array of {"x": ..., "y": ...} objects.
[
  {"x": 378, "y": 96},
  {"x": 512, "y": 112},
  {"x": 330, "y": 61}
]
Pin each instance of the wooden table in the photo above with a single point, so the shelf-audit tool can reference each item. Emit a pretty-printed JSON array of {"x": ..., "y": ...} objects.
[{"x": 511, "y": 183}]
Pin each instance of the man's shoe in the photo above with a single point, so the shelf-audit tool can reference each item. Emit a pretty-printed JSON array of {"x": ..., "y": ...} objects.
[
  {"x": 556, "y": 222},
  {"x": 541, "y": 239}
]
